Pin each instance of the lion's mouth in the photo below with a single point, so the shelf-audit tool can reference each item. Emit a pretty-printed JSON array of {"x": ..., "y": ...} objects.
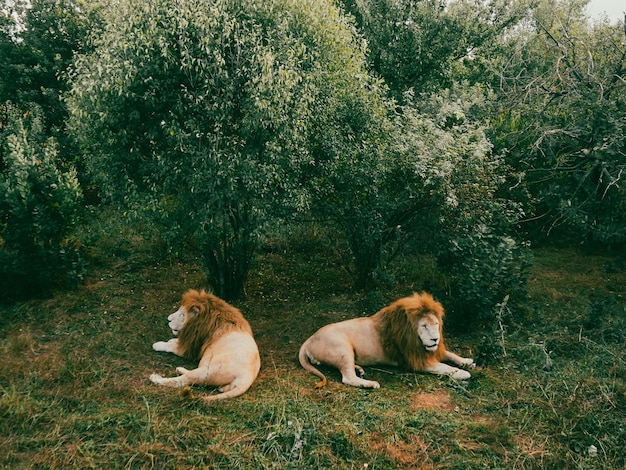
[
  {"x": 431, "y": 347},
  {"x": 175, "y": 332}
]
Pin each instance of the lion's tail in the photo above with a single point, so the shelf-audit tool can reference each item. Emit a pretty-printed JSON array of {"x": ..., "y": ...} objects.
[
  {"x": 238, "y": 387},
  {"x": 303, "y": 356}
]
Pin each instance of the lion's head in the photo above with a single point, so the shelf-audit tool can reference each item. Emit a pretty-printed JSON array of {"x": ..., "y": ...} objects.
[
  {"x": 411, "y": 330},
  {"x": 201, "y": 319},
  {"x": 429, "y": 332},
  {"x": 178, "y": 319}
]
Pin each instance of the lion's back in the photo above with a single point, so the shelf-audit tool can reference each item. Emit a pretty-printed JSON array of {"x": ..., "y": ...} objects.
[
  {"x": 232, "y": 350},
  {"x": 359, "y": 333}
]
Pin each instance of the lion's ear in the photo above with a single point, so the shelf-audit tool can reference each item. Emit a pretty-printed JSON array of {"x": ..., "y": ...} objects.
[{"x": 196, "y": 309}]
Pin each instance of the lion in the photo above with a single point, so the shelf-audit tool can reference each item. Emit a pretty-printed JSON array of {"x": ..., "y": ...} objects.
[
  {"x": 217, "y": 334},
  {"x": 407, "y": 333}
]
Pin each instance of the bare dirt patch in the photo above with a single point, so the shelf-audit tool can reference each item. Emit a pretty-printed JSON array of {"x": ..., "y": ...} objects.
[
  {"x": 409, "y": 453},
  {"x": 439, "y": 400}
]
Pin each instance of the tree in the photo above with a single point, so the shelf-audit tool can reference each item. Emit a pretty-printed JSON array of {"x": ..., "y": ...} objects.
[
  {"x": 477, "y": 246},
  {"x": 200, "y": 114},
  {"x": 422, "y": 45},
  {"x": 37, "y": 42},
  {"x": 37, "y": 45},
  {"x": 426, "y": 171},
  {"x": 424, "y": 175},
  {"x": 561, "y": 108}
]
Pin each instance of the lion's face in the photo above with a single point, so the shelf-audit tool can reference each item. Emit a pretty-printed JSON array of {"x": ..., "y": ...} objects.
[
  {"x": 428, "y": 329},
  {"x": 177, "y": 320}
]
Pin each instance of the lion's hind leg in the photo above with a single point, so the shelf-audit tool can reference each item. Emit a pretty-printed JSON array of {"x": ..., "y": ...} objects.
[
  {"x": 349, "y": 377},
  {"x": 174, "y": 382},
  {"x": 342, "y": 357},
  {"x": 186, "y": 377}
]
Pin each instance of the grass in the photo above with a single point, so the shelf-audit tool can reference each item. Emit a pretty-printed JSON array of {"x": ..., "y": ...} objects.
[{"x": 74, "y": 388}]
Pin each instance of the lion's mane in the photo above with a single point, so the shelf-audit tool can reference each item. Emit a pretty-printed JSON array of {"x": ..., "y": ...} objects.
[
  {"x": 211, "y": 318},
  {"x": 397, "y": 327}
]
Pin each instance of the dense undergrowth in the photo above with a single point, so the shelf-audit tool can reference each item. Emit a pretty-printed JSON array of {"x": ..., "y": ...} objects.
[{"x": 550, "y": 392}]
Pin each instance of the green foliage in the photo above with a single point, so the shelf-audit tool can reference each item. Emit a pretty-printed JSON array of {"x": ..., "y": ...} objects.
[
  {"x": 426, "y": 174},
  {"x": 198, "y": 114},
  {"x": 422, "y": 45},
  {"x": 476, "y": 246},
  {"x": 560, "y": 113},
  {"x": 38, "y": 39},
  {"x": 353, "y": 162},
  {"x": 40, "y": 202},
  {"x": 428, "y": 181},
  {"x": 483, "y": 268}
]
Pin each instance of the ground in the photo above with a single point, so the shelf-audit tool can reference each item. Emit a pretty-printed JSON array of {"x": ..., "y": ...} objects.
[{"x": 75, "y": 391}]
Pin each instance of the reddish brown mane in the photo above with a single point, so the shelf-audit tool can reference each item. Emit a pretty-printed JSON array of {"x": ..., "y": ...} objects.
[
  {"x": 212, "y": 318},
  {"x": 396, "y": 325}
]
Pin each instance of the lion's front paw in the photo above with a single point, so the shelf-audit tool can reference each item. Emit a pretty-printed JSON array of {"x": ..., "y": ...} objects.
[
  {"x": 469, "y": 363},
  {"x": 160, "y": 346},
  {"x": 156, "y": 378},
  {"x": 460, "y": 374}
]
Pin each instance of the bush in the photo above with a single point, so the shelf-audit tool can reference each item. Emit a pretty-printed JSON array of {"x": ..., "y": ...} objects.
[
  {"x": 483, "y": 268},
  {"x": 39, "y": 204}
]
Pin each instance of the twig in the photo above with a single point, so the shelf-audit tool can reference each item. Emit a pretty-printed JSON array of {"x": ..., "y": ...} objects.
[{"x": 499, "y": 315}]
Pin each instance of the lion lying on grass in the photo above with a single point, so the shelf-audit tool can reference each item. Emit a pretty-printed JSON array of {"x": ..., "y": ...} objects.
[
  {"x": 215, "y": 333},
  {"x": 407, "y": 333}
]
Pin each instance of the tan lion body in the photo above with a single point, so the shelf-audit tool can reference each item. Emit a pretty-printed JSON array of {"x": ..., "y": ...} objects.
[
  {"x": 408, "y": 333},
  {"x": 216, "y": 334}
]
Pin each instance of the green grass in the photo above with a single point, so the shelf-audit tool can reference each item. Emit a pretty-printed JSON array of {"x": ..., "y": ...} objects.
[{"x": 74, "y": 388}]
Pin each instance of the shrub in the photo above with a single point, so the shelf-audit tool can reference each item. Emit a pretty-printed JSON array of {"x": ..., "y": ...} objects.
[
  {"x": 483, "y": 268},
  {"x": 39, "y": 204}
]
